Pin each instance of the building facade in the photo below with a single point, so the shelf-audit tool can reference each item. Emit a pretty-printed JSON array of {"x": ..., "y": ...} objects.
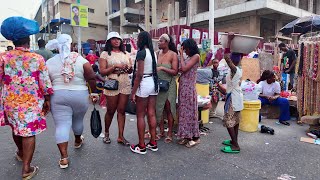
[
  {"x": 130, "y": 16},
  {"x": 260, "y": 17},
  {"x": 56, "y": 16}
]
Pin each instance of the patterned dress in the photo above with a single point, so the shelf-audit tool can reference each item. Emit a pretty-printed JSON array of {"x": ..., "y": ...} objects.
[
  {"x": 124, "y": 80},
  {"x": 24, "y": 81},
  {"x": 188, "y": 105}
]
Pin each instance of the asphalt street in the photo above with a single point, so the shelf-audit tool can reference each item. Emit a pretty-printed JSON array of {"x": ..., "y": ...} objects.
[{"x": 262, "y": 156}]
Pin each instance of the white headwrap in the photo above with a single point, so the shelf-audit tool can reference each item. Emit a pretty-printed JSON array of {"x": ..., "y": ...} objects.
[
  {"x": 63, "y": 44},
  {"x": 166, "y": 37}
]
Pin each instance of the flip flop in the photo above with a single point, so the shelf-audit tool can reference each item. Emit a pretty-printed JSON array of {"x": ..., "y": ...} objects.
[
  {"x": 192, "y": 143},
  {"x": 123, "y": 142},
  {"x": 159, "y": 136},
  {"x": 183, "y": 141},
  {"x": 228, "y": 149},
  {"x": 106, "y": 139},
  {"x": 78, "y": 146},
  {"x": 63, "y": 166},
  {"x": 168, "y": 140},
  {"x": 32, "y": 174},
  {"x": 284, "y": 123},
  {"x": 147, "y": 135},
  {"x": 227, "y": 142}
]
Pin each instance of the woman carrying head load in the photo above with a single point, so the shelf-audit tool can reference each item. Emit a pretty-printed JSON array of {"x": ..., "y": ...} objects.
[
  {"x": 25, "y": 90},
  {"x": 69, "y": 72},
  {"x": 167, "y": 71},
  {"x": 115, "y": 63},
  {"x": 144, "y": 92}
]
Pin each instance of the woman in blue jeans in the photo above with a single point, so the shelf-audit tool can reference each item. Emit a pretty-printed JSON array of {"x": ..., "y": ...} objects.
[{"x": 270, "y": 95}]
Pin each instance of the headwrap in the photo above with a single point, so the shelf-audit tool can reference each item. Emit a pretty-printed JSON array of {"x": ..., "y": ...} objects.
[
  {"x": 236, "y": 57},
  {"x": 15, "y": 28},
  {"x": 166, "y": 37},
  {"x": 63, "y": 44}
]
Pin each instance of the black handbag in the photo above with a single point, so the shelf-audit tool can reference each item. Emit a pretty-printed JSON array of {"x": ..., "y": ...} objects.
[
  {"x": 111, "y": 84},
  {"x": 164, "y": 85},
  {"x": 95, "y": 123}
]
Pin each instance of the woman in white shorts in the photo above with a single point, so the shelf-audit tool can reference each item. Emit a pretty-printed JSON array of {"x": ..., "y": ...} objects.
[{"x": 144, "y": 92}]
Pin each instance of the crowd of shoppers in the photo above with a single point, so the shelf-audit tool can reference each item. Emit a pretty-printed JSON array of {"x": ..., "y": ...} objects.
[{"x": 34, "y": 84}]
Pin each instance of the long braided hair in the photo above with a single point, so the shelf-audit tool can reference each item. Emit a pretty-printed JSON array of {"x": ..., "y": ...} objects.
[{"x": 145, "y": 41}]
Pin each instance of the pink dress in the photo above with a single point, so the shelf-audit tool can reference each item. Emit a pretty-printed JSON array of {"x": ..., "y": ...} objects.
[
  {"x": 188, "y": 105},
  {"x": 24, "y": 81}
]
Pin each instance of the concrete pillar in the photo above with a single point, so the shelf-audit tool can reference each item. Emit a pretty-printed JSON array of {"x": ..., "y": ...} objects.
[
  {"x": 211, "y": 23},
  {"x": 154, "y": 14},
  {"x": 297, "y": 3},
  {"x": 254, "y": 25},
  {"x": 122, "y": 17},
  {"x": 189, "y": 12},
  {"x": 318, "y": 7},
  {"x": 176, "y": 12},
  {"x": 279, "y": 25},
  {"x": 109, "y": 10},
  {"x": 170, "y": 16},
  {"x": 310, "y": 6},
  {"x": 147, "y": 14}
]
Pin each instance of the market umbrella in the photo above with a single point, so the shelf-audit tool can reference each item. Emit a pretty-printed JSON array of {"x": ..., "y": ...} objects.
[{"x": 302, "y": 25}]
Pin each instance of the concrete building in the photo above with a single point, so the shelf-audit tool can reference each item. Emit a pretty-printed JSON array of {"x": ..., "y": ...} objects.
[
  {"x": 260, "y": 17},
  {"x": 128, "y": 16},
  {"x": 60, "y": 10}
]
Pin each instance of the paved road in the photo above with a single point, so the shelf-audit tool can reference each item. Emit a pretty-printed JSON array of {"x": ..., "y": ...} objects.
[{"x": 262, "y": 156}]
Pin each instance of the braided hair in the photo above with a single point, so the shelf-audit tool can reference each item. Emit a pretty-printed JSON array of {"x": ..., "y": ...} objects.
[{"x": 145, "y": 41}]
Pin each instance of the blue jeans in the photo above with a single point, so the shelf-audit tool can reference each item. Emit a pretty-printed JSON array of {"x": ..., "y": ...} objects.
[{"x": 283, "y": 105}]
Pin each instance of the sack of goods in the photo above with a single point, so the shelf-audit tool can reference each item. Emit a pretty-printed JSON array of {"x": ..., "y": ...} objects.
[{"x": 250, "y": 90}]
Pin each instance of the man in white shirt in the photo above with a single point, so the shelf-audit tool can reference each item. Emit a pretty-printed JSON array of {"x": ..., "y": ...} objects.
[{"x": 271, "y": 95}]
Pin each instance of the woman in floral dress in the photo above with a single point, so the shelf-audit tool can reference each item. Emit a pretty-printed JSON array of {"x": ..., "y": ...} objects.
[
  {"x": 25, "y": 86},
  {"x": 188, "y": 129}
]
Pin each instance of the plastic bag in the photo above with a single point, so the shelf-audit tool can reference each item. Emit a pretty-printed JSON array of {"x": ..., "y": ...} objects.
[
  {"x": 95, "y": 123},
  {"x": 15, "y": 28},
  {"x": 250, "y": 90}
]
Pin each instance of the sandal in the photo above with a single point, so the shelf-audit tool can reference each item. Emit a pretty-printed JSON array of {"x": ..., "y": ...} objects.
[
  {"x": 78, "y": 145},
  {"x": 159, "y": 136},
  {"x": 31, "y": 174},
  {"x": 227, "y": 142},
  {"x": 168, "y": 140},
  {"x": 228, "y": 149},
  {"x": 19, "y": 158},
  {"x": 192, "y": 143},
  {"x": 106, "y": 139},
  {"x": 183, "y": 141},
  {"x": 284, "y": 123},
  {"x": 63, "y": 166},
  {"x": 123, "y": 142},
  {"x": 299, "y": 122},
  {"x": 147, "y": 135}
]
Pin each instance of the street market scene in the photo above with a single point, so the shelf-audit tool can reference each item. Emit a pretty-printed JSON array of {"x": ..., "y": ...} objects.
[{"x": 160, "y": 89}]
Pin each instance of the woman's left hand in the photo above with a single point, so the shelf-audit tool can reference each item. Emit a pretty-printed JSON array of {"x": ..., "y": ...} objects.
[
  {"x": 46, "y": 107},
  {"x": 94, "y": 97},
  {"x": 159, "y": 68},
  {"x": 133, "y": 98}
]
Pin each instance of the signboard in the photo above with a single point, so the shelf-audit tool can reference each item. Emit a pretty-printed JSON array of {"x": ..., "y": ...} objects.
[
  {"x": 196, "y": 35},
  {"x": 206, "y": 43},
  {"x": 79, "y": 15},
  {"x": 185, "y": 34}
]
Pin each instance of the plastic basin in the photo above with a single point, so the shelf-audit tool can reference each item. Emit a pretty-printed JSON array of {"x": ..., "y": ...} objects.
[{"x": 241, "y": 43}]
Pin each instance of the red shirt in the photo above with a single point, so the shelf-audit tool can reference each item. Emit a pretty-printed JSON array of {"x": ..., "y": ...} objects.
[{"x": 91, "y": 58}]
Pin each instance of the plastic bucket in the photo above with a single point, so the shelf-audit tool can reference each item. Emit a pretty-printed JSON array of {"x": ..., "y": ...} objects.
[{"x": 250, "y": 116}]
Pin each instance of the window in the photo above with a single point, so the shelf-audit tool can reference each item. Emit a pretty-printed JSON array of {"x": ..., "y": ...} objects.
[{"x": 90, "y": 10}]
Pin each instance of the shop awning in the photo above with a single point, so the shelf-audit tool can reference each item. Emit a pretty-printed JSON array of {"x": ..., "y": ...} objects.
[{"x": 54, "y": 25}]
